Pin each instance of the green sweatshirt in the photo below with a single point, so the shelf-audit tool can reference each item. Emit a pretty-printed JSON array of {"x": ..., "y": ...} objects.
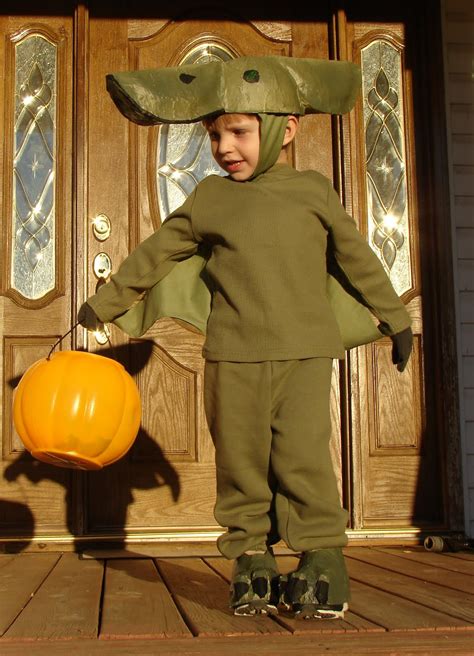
[{"x": 268, "y": 239}]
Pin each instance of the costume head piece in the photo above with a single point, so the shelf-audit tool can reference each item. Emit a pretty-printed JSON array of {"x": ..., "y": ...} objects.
[
  {"x": 248, "y": 85},
  {"x": 271, "y": 86}
]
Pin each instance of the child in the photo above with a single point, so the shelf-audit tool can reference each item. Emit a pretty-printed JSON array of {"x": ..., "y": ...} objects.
[{"x": 271, "y": 338}]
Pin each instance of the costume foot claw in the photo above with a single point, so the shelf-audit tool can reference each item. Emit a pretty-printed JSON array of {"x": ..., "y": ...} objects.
[
  {"x": 319, "y": 588},
  {"x": 254, "y": 589}
]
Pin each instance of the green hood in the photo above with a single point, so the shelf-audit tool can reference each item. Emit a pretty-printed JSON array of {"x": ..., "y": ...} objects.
[{"x": 251, "y": 85}]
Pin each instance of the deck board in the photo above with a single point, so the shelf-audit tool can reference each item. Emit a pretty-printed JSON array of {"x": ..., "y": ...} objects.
[
  {"x": 404, "y": 601},
  {"x": 137, "y": 603},
  {"x": 66, "y": 605},
  {"x": 442, "y": 560},
  {"x": 203, "y": 597},
  {"x": 5, "y": 559},
  {"x": 463, "y": 555},
  {"x": 430, "y": 602},
  {"x": 395, "y": 613},
  {"x": 19, "y": 579},
  {"x": 416, "y": 570},
  {"x": 394, "y": 644}
]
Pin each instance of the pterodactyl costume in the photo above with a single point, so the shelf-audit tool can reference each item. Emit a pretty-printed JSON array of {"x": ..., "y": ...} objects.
[
  {"x": 263, "y": 85},
  {"x": 247, "y": 263}
]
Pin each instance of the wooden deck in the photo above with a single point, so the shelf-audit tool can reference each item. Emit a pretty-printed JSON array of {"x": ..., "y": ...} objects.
[{"x": 404, "y": 601}]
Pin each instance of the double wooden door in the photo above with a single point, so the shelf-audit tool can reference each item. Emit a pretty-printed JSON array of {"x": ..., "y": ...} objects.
[{"x": 83, "y": 186}]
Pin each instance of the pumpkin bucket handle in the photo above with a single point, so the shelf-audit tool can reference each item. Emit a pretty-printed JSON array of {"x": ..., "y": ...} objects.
[{"x": 61, "y": 339}]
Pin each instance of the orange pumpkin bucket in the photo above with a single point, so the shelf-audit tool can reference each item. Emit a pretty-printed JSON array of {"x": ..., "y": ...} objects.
[{"x": 77, "y": 409}]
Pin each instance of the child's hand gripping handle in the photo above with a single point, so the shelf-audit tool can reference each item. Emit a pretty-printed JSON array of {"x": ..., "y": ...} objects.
[{"x": 88, "y": 318}]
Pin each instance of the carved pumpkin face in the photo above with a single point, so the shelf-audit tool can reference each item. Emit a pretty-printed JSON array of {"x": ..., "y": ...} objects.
[{"x": 77, "y": 409}]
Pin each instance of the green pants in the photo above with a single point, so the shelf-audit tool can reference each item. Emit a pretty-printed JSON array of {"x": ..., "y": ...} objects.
[{"x": 271, "y": 426}]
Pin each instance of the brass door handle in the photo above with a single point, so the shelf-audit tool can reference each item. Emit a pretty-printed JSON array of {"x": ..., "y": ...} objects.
[{"x": 102, "y": 267}]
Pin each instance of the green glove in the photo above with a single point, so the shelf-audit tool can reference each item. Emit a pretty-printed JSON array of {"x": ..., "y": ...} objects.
[
  {"x": 88, "y": 318},
  {"x": 401, "y": 349}
]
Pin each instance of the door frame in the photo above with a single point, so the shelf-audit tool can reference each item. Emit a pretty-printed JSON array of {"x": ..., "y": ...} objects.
[{"x": 434, "y": 207}]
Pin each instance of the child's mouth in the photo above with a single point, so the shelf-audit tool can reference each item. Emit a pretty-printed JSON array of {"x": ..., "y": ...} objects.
[{"x": 232, "y": 167}]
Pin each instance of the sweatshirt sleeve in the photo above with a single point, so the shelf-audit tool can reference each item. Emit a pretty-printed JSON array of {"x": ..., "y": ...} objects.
[
  {"x": 147, "y": 264},
  {"x": 363, "y": 269}
]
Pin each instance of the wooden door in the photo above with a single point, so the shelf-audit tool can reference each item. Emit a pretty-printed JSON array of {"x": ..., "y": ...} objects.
[
  {"x": 113, "y": 186},
  {"x": 403, "y": 459},
  {"x": 37, "y": 282},
  {"x": 136, "y": 176}
]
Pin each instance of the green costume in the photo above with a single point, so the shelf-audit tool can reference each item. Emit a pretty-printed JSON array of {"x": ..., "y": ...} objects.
[
  {"x": 246, "y": 84},
  {"x": 267, "y": 241},
  {"x": 247, "y": 262},
  {"x": 273, "y": 416}
]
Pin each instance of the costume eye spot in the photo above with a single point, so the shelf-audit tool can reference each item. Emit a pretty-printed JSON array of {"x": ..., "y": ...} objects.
[
  {"x": 251, "y": 76},
  {"x": 186, "y": 78}
]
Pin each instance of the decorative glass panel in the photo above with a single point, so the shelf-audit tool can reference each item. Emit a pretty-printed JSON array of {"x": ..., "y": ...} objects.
[
  {"x": 184, "y": 151},
  {"x": 34, "y": 167},
  {"x": 385, "y": 161}
]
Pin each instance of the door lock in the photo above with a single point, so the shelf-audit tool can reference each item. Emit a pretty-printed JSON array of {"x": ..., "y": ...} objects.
[{"x": 101, "y": 227}]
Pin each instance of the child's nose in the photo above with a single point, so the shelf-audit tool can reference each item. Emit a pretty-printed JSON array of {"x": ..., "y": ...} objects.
[{"x": 225, "y": 144}]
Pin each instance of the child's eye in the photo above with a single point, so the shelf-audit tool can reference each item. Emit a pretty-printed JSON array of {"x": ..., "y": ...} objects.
[
  {"x": 239, "y": 132},
  {"x": 213, "y": 136}
]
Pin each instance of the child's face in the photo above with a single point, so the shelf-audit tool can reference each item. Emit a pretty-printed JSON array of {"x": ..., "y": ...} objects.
[{"x": 235, "y": 144}]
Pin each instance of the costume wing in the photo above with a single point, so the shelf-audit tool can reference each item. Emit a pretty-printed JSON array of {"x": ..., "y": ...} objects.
[
  {"x": 185, "y": 294},
  {"x": 356, "y": 323},
  {"x": 182, "y": 294}
]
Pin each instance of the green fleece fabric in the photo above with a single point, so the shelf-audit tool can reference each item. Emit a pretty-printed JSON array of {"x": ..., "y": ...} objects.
[
  {"x": 272, "y": 131},
  {"x": 273, "y": 412},
  {"x": 267, "y": 240},
  {"x": 184, "y": 293}
]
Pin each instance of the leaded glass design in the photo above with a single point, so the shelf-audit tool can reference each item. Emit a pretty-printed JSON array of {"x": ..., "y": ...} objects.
[
  {"x": 184, "y": 151},
  {"x": 34, "y": 167},
  {"x": 385, "y": 160}
]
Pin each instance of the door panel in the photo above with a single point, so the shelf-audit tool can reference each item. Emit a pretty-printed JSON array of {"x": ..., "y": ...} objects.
[
  {"x": 35, "y": 300},
  {"x": 169, "y": 474},
  {"x": 396, "y": 469}
]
